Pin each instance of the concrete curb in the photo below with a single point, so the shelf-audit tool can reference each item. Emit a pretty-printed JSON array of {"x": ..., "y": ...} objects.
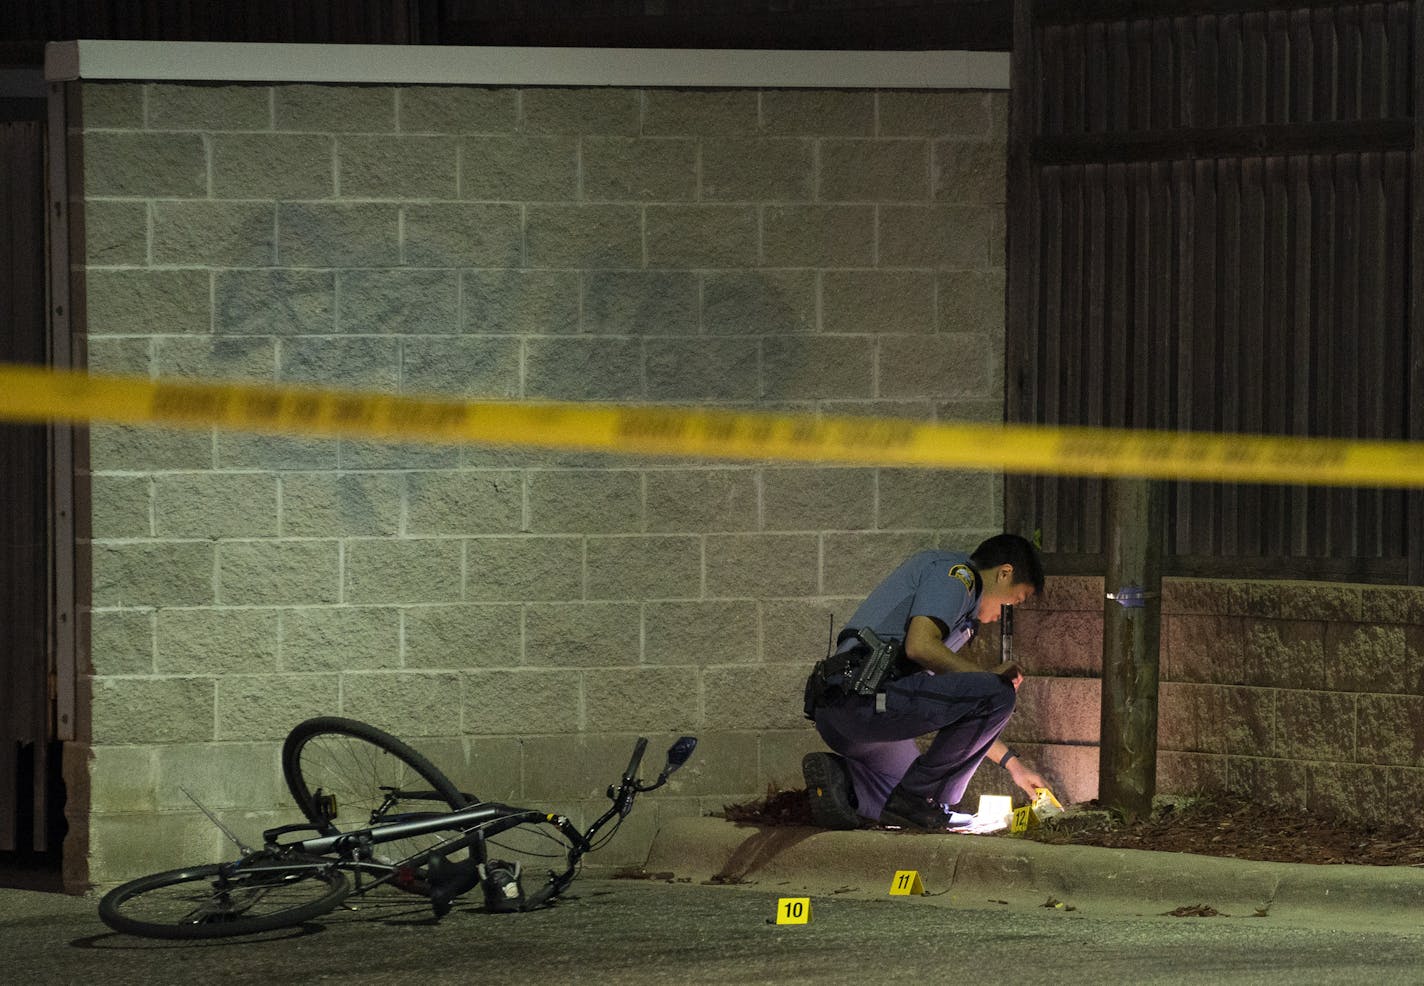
[{"x": 703, "y": 848}]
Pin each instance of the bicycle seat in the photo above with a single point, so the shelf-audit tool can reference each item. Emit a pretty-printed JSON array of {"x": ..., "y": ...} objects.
[{"x": 448, "y": 881}]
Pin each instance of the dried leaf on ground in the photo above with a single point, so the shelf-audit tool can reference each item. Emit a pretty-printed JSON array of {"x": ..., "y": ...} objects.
[
  {"x": 1195, "y": 911},
  {"x": 638, "y": 873}
]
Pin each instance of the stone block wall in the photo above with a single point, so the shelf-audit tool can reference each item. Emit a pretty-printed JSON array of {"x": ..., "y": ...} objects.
[
  {"x": 1305, "y": 695},
  {"x": 520, "y": 614}
]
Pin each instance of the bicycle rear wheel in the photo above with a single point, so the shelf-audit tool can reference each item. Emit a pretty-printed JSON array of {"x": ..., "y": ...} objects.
[
  {"x": 345, "y": 775},
  {"x": 260, "y": 893}
]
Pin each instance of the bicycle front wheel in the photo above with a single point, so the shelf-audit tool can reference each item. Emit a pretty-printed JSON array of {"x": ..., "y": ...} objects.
[
  {"x": 347, "y": 775},
  {"x": 260, "y": 893}
]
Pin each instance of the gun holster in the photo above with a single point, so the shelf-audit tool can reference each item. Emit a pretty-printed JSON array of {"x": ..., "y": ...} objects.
[
  {"x": 862, "y": 670},
  {"x": 879, "y": 664}
]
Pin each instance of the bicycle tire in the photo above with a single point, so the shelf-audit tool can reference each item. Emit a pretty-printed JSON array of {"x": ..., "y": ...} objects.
[
  {"x": 356, "y": 764},
  {"x": 225, "y": 900}
]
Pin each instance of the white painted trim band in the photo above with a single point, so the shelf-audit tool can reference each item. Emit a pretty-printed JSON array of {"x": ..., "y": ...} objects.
[{"x": 201, "y": 61}]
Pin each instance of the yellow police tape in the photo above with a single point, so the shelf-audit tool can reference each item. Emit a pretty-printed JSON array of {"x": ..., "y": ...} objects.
[{"x": 33, "y": 394}]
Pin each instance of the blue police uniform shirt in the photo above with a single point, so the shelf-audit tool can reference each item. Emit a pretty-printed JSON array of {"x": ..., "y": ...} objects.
[{"x": 939, "y": 584}]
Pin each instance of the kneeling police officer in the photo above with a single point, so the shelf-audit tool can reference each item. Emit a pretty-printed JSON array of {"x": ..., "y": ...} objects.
[{"x": 895, "y": 675}]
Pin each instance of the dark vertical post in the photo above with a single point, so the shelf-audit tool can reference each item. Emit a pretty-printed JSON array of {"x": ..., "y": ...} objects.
[
  {"x": 1022, "y": 493},
  {"x": 66, "y": 447},
  {"x": 1132, "y": 619},
  {"x": 1414, "y": 502}
]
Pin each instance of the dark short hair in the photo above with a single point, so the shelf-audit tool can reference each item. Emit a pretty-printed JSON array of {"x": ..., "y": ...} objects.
[{"x": 1010, "y": 549}]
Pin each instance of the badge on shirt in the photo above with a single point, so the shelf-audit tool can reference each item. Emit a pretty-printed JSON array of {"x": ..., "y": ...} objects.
[{"x": 964, "y": 574}]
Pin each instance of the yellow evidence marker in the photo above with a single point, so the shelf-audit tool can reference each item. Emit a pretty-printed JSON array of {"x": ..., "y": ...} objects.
[
  {"x": 793, "y": 910},
  {"x": 1044, "y": 807},
  {"x": 905, "y": 883}
]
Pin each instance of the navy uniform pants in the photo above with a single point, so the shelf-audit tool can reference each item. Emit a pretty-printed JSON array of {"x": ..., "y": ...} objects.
[{"x": 966, "y": 711}]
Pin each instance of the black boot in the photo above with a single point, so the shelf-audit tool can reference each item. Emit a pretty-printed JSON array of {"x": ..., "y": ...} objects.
[
  {"x": 914, "y": 811},
  {"x": 829, "y": 790}
]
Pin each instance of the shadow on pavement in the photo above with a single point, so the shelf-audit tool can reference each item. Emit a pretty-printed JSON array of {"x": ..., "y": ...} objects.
[{"x": 759, "y": 850}]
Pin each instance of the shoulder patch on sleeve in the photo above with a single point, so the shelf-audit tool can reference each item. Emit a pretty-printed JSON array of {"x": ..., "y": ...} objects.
[{"x": 964, "y": 574}]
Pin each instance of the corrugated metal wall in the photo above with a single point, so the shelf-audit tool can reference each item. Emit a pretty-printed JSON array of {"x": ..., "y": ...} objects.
[
  {"x": 1210, "y": 226},
  {"x": 314, "y": 21},
  {"x": 852, "y": 24}
]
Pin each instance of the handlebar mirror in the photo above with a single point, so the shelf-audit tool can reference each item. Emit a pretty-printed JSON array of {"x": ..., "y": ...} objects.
[{"x": 679, "y": 753}]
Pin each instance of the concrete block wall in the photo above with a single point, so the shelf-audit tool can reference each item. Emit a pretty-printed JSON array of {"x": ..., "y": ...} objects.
[
  {"x": 1305, "y": 695},
  {"x": 521, "y": 614}
]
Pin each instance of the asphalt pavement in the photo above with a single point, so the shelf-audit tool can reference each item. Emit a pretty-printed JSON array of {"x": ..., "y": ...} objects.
[{"x": 994, "y": 909}]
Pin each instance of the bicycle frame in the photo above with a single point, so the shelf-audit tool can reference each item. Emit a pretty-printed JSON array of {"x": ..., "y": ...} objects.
[
  {"x": 456, "y": 821},
  {"x": 474, "y": 823}
]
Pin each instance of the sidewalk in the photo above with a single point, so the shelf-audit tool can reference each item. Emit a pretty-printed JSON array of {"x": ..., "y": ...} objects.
[{"x": 998, "y": 866}]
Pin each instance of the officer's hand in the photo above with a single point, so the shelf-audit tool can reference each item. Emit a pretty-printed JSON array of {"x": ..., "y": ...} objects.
[
  {"x": 1010, "y": 673},
  {"x": 1028, "y": 779}
]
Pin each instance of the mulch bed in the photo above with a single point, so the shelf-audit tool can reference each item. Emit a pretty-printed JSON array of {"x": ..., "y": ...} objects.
[
  {"x": 1209, "y": 825},
  {"x": 777, "y": 808}
]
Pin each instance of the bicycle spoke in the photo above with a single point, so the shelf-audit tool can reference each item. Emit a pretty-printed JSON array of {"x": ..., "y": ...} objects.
[
  {"x": 365, "y": 771},
  {"x": 214, "y": 901}
]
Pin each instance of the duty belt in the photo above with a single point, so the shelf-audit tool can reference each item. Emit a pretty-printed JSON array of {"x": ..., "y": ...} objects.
[{"x": 861, "y": 670}]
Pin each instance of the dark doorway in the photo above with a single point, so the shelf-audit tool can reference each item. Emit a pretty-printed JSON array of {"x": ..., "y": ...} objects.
[{"x": 32, "y": 825}]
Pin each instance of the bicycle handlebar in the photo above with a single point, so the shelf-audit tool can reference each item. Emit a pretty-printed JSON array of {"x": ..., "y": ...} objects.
[
  {"x": 580, "y": 843},
  {"x": 639, "y": 748},
  {"x": 551, "y": 889}
]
